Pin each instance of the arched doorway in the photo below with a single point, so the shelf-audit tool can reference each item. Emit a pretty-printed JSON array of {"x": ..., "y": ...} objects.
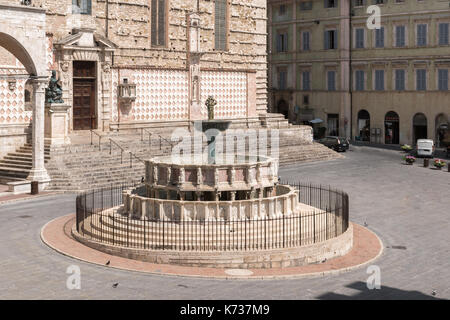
[
  {"x": 283, "y": 108},
  {"x": 442, "y": 130},
  {"x": 420, "y": 127},
  {"x": 391, "y": 128},
  {"x": 364, "y": 125}
]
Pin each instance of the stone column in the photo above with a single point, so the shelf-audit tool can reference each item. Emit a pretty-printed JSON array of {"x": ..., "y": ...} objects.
[{"x": 38, "y": 171}]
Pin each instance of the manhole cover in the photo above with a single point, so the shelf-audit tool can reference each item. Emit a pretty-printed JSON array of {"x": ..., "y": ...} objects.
[{"x": 238, "y": 272}]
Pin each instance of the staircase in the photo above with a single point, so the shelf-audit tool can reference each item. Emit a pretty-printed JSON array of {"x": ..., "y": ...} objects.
[{"x": 16, "y": 166}]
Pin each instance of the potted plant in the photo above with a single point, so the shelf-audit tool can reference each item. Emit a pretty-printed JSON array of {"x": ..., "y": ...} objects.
[
  {"x": 410, "y": 159},
  {"x": 438, "y": 163},
  {"x": 406, "y": 148}
]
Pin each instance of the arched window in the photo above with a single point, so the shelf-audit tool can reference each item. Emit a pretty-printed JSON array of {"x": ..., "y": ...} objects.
[
  {"x": 159, "y": 22},
  {"x": 420, "y": 127},
  {"x": 221, "y": 24},
  {"x": 364, "y": 125},
  {"x": 391, "y": 128}
]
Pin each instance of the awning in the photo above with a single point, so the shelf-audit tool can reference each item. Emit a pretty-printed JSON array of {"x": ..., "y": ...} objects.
[{"x": 317, "y": 120}]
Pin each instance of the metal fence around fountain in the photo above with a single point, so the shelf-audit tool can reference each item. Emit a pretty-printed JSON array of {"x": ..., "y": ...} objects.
[{"x": 97, "y": 219}]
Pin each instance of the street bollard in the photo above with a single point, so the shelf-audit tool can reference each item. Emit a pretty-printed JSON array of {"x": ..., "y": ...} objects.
[
  {"x": 34, "y": 187},
  {"x": 426, "y": 162}
]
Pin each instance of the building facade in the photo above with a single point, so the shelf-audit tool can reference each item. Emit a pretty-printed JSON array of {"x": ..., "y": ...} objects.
[
  {"x": 384, "y": 85},
  {"x": 134, "y": 63}
]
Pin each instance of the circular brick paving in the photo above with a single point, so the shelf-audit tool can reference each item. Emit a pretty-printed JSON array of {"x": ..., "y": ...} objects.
[{"x": 366, "y": 248}]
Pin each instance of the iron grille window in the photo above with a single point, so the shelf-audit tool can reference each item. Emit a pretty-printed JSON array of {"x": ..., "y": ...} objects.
[
  {"x": 421, "y": 79},
  {"x": 220, "y": 27},
  {"x": 400, "y": 36},
  {"x": 82, "y": 6},
  {"x": 158, "y": 23},
  {"x": 443, "y": 33},
  {"x": 421, "y": 35},
  {"x": 359, "y": 38},
  {"x": 331, "y": 79},
  {"x": 379, "y": 80},
  {"x": 443, "y": 79},
  {"x": 399, "y": 80},
  {"x": 379, "y": 38},
  {"x": 359, "y": 79}
]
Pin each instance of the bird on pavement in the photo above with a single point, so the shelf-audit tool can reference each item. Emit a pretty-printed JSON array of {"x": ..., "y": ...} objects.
[
  {"x": 108, "y": 263},
  {"x": 115, "y": 285}
]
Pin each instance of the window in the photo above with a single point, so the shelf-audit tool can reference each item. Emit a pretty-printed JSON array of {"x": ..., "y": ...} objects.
[
  {"x": 443, "y": 34},
  {"x": 220, "y": 27},
  {"x": 399, "y": 1},
  {"x": 330, "y": 3},
  {"x": 379, "y": 80},
  {"x": 421, "y": 79},
  {"x": 282, "y": 10},
  {"x": 421, "y": 35},
  {"x": 305, "y": 40},
  {"x": 358, "y": 3},
  {"x": 306, "y": 81},
  {"x": 331, "y": 80},
  {"x": 359, "y": 35},
  {"x": 400, "y": 36},
  {"x": 158, "y": 22},
  {"x": 399, "y": 79},
  {"x": 378, "y": 1},
  {"x": 306, "y": 5},
  {"x": 282, "y": 78},
  {"x": 330, "y": 39},
  {"x": 359, "y": 80},
  {"x": 282, "y": 42},
  {"x": 379, "y": 38},
  {"x": 443, "y": 79},
  {"x": 82, "y": 6}
]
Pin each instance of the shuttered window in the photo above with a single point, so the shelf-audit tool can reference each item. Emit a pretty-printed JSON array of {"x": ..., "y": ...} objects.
[
  {"x": 359, "y": 80},
  {"x": 359, "y": 38},
  {"x": 306, "y": 80},
  {"x": 282, "y": 42},
  {"x": 158, "y": 22},
  {"x": 379, "y": 38},
  {"x": 400, "y": 36},
  {"x": 379, "y": 80},
  {"x": 330, "y": 39},
  {"x": 443, "y": 79},
  {"x": 305, "y": 39},
  {"x": 331, "y": 79},
  {"x": 399, "y": 80},
  {"x": 443, "y": 34},
  {"x": 421, "y": 35},
  {"x": 82, "y": 6},
  {"x": 220, "y": 27},
  {"x": 421, "y": 79}
]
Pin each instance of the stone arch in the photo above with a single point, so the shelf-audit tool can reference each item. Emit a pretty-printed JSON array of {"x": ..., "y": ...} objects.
[
  {"x": 18, "y": 50},
  {"x": 391, "y": 128},
  {"x": 442, "y": 125},
  {"x": 364, "y": 125},
  {"x": 420, "y": 127}
]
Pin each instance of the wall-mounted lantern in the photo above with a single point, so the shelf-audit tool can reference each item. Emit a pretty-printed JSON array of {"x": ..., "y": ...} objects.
[{"x": 127, "y": 91}]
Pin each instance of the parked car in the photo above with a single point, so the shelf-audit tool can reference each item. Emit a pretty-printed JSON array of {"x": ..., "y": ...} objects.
[
  {"x": 336, "y": 143},
  {"x": 425, "y": 148}
]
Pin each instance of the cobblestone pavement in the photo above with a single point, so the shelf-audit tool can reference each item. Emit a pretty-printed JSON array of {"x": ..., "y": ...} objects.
[{"x": 407, "y": 206}]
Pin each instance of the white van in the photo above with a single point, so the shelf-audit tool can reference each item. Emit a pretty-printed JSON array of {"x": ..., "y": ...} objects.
[{"x": 425, "y": 148}]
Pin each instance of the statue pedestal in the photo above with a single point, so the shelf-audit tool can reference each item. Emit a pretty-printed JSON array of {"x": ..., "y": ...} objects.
[{"x": 56, "y": 124}]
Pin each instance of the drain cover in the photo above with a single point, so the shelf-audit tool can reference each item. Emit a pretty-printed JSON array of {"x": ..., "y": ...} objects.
[{"x": 238, "y": 272}]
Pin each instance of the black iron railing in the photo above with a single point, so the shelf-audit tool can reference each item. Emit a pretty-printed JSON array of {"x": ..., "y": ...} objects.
[{"x": 326, "y": 217}]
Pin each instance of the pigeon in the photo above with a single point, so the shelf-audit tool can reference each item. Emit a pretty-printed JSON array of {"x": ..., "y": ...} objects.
[
  {"x": 108, "y": 263},
  {"x": 433, "y": 292},
  {"x": 115, "y": 285},
  {"x": 365, "y": 224},
  {"x": 324, "y": 260}
]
